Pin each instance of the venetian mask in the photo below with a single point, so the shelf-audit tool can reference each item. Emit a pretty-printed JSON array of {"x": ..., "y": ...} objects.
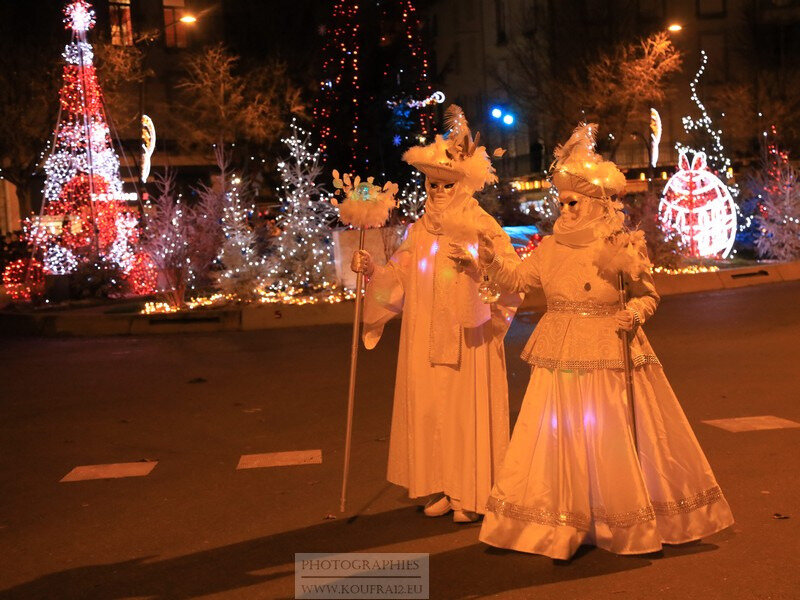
[
  {"x": 440, "y": 192},
  {"x": 574, "y": 207}
]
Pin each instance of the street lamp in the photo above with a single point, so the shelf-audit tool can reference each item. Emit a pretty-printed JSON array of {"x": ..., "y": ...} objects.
[
  {"x": 188, "y": 19},
  {"x": 498, "y": 113},
  {"x": 675, "y": 27}
]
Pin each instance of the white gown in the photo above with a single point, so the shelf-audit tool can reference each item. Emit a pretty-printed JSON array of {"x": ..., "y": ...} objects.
[
  {"x": 571, "y": 475},
  {"x": 450, "y": 421}
]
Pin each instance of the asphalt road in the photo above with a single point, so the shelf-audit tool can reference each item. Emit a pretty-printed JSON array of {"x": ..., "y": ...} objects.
[{"x": 196, "y": 527}]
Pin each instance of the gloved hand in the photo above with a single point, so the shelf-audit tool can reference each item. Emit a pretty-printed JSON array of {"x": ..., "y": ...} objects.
[
  {"x": 485, "y": 249},
  {"x": 362, "y": 263},
  {"x": 625, "y": 320},
  {"x": 462, "y": 257}
]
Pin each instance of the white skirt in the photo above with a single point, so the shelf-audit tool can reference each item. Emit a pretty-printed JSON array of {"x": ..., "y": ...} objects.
[{"x": 571, "y": 475}]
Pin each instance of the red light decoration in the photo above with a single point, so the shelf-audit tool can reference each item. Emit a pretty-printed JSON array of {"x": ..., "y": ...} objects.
[
  {"x": 23, "y": 279},
  {"x": 143, "y": 276},
  {"x": 357, "y": 37}
]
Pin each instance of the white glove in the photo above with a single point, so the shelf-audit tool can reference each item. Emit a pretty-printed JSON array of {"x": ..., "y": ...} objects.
[
  {"x": 461, "y": 256},
  {"x": 362, "y": 263},
  {"x": 625, "y": 320},
  {"x": 485, "y": 249}
]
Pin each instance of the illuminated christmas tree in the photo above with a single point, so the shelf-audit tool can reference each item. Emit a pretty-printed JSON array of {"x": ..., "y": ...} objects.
[
  {"x": 776, "y": 190},
  {"x": 303, "y": 259},
  {"x": 84, "y": 216},
  {"x": 244, "y": 270},
  {"x": 374, "y": 72}
]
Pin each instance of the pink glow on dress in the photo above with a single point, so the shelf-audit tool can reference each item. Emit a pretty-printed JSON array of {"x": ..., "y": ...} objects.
[{"x": 423, "y": 264}]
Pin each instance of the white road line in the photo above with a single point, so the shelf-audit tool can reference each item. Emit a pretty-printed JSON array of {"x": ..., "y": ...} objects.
[
  {"x": 280, "y": 459},
  {"x": 111, "y": 471},
  {"x": 739, "y": 424}
]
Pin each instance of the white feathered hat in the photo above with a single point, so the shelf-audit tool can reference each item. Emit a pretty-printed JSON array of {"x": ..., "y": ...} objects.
[
  {"x": 579, "y": 168},
  {"x": 456, "y": 157}
]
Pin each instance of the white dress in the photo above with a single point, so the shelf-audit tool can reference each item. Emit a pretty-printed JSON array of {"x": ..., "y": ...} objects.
[
  {"x": 571, "y": 475},
  {"x": 450, "y": 421}
]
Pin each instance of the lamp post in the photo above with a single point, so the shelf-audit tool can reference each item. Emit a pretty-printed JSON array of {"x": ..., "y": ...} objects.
[{"x": 507, "y": 119}]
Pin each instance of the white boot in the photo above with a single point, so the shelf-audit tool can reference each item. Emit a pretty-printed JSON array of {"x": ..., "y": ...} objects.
[
  {"x": 465, "y": 516},
  {"x": 438, "y": 506}
]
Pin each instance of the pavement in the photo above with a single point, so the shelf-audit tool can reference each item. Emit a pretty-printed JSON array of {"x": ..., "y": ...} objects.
[{"x": 189, "y": 409}]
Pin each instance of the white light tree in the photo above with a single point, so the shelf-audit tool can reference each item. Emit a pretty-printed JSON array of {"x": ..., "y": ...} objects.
[
  {"x": 167, "y": 234},
  {"x": 777, "y": 187},
  {"x": 303, "y": 258},
  {"x": 181, "y": 239},
  {"x": 244, "y": 270}
]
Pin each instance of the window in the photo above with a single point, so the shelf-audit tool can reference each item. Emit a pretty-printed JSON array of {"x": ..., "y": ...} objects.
[
  {"x": 710, "y": 8},
  {"x": 174, "y": 30},
  {"x": 119, "y": 12}
]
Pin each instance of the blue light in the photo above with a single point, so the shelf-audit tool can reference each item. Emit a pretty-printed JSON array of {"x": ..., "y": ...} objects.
[
  {"x": 508, "y": 119},
  {"x": 497, "y": 113}
]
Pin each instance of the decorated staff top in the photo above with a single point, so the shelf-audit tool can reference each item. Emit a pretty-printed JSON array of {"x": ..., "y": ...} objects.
[{"x": 364, "y": 204}]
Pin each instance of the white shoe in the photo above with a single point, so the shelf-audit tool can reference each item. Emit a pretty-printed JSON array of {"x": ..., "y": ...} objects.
[
  {"x": 437, "y": 507},
  {"x": 465, "y": 516}
]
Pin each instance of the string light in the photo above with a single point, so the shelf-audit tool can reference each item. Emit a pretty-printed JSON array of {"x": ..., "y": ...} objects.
[
  {"x": 716, "y": 159},
  {"x": 338, "y": 111},
  {"x": 688, "y": 270}
]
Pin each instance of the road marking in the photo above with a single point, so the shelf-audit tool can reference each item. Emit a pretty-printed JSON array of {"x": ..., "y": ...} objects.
[
  {"x": 752, "y": 423},
  {"x": 112, "y": 471},
  {"x": 280, "y": 459}
]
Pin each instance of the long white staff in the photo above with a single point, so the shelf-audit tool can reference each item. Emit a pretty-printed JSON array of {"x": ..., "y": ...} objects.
[
  {"x": 351, "y": 393},
  {"x": 626, "y": 359},
  {"x": 364, "y": 205}
]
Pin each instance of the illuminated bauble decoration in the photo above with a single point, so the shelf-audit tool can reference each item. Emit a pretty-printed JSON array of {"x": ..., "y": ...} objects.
[
  {"x": 23, "y": 279},
  {"x": 697, "y": 206},
  {"x": 143, "y": 275}
]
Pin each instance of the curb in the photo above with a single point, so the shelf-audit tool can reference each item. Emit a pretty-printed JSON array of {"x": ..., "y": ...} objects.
[{"x": 274, "y": 316}]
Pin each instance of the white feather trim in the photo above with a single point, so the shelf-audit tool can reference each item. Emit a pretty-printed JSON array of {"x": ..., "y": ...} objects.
[
  {"x": 365, "y": 204},
  {"x": 577, "y": 157}
]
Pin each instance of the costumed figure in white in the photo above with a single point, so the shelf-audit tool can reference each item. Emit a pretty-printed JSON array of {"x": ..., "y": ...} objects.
[
  {"x": 450, "y": 421},
  {"x": 572, "y": 474}
]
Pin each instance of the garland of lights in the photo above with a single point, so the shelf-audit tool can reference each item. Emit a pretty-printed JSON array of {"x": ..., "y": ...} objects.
[
  {"x": 715, "y": 157},
  {"x": 435, "y": 98}
]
